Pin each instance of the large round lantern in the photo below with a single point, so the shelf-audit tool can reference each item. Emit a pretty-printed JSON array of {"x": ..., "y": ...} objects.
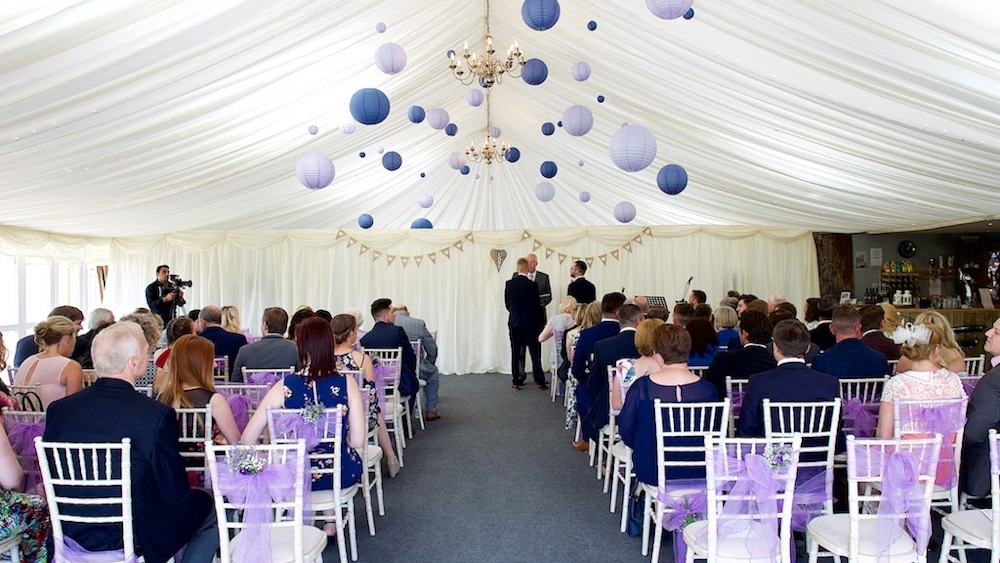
[
  {"x": 672, "y": 179},
  {"x": 421, "y": 224},
  {"x": 437, "y": 118},
  {"x": 545, "y": 191},
  {"x": 669, "y": 9},
  {"x": 457, "y": 160},
  {"x": 540, "y": 14},
  {"x": 415, "y": 114},
  {"x": 581, "y": 71},
  {"x": 390, "y": 58},
  {"x": 512, "y": 154},
  {"x": 577, "y": 121},
  {"x": 548, "y": 169},
  {"x": 625, "y": 212},
  {"x": 369, "y": 106},
  {"x": 534, "y": 72},
  {"x": 451, "y": 130},
  {"x": 425, "y": 200},
  {"x": 365, "y": 221},
  {"x": 633, "y": 148},
  {"x": 474, "y": 97},
  {"x": 315, "y": 171},
  {"x": 392, "y": 161}
]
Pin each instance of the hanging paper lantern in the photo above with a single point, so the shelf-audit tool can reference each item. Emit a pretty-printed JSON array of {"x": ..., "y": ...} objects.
[
  {"x": 415, "y": 114},
  {"x": 348, "y": 126},
  {"x": 548, "y": 128},
  {"x": 592, "y": 25},
  {"x": 380, "y": 150},
  {"x": 315, "y": 171},
  {"x": 578, "y": 120},
  {"x": 475, "y": 98},
  {"x": 456, "y": 159},
  {"x": 464, "y": 170},
  {"x": 669, "y": 9},
  {"x": 380, "y": 27},
  {"x": 633, "y": 148},
  {"x": 689, "y": 14},
  {"x": 437, "y": 118},
  {"x": 390, "y": 58},
  {"x": 313, "y": 129},
  {"x": 535, "y": 72},
  {"x": 625, "y": 212},
  {"x": 423, "y": 174},
  {"x": 600, "y": 99},
  {"x": 580, "y": 163},
  {"x": 365, "y": 221},
  {"x": 451, "y": 129},
  {"x": 584, "y": 197},
  {"x": 548, "y": 169},
  {"x": 545, "y": 191},
  {"x": 672, "y": 179},
  {"x": 559, "y": 123},
  {"x": 369, "y": 106},
  {"x": 421, "y": 224},
  {"x": 392, "y": 161},
  {"x": 581, "y": 71},
  {"x": 495, "y": 132},
  {"x": 512, "y": 155},
  {"x": 361, "y": 154},
  {"x": 540, "y": 14},
  {"x": 425, "y": 200}
]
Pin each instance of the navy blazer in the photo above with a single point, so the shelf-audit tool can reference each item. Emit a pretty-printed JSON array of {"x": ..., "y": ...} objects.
[
  {"x": 385, "y": 335},
  {"x": 851, "y": 359},
  {"x": 738, "y": 364},
  {"x": 522, "y": 300},
  {"x": 792, "y": 382},
  {"x": 822, "y": 337},
  {"x": 226, "y": 343},
  {"x": 582, "y": 290},
  {"x": 983, "y": 414},
  {"x": 606, "y": 353},
  {"x": 585, "y": 346},
  {"x": 166, "y": 513}
]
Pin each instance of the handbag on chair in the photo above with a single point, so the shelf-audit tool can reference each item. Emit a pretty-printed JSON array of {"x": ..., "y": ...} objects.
[{"x": 636, "y": 506}]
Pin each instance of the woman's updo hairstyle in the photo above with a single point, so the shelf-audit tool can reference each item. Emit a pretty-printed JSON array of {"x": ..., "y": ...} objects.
[
  {"x": 50, "y": 331},
  {"x": 342, "y": 326}
]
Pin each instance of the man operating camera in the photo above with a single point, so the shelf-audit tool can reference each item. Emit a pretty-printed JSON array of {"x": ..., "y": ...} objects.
[{"x": 164, "y": 295}]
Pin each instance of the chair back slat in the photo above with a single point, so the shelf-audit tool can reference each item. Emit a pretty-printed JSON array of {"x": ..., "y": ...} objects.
[
  {"x": 735, "y": 388},
  {"x": 975, "y": 365},
  {"x": 679, "y": 428},
  {"x": 195, "y": 430},
  {"x": 220, "y": 368}
]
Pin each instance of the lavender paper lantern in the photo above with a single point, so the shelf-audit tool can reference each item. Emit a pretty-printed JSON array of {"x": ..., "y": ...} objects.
[
  {"x": 365, "y": 221},
  {"x": 581, "y": 71},
  {"x": 456, "y": 160},
  {"x": 540, "y": 14},
  {"x": 421, "y": 224},
  {"x": 577, "y": 121},
  {"x": 415, "y": 114},
  {"x": 313, "y": 129},
  {"x": 437, "y": 118},
  {"x": 545, "y": 191},
  {"x": 390, "y": 58},
  {"x": 512, "y": 154},
  {"x": 369, "y": 106},
  {"x": 425, "y": 200},
  {"x": 315, "y": 171},
  {"x": 633, "y": 148},
  {"x": 584, "y": 197},
  {"x": 548, "y": 169},
  {"x": 534, "y": 72},
  {"x": 495, "y": 132},
  {"x": 548, "y": 128},
  {"x": 669, "y": 9},
  {"x": 348, "y": 127},
  {"x": 672, "y": 179},
  {"x": 392, "y": 161},
  {"x": 451, "y": 130},
  {"x": 625, "y": 212},
  {"x": 474, "y": 97},
  {"x": 380, "y": 27}
]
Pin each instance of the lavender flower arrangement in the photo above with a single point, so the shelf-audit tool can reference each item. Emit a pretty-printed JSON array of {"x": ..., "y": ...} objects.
[
  {"x": 312, "y": 412},
  {"x": 777, "y": 457},
  {"x": 245, "y": 461}
]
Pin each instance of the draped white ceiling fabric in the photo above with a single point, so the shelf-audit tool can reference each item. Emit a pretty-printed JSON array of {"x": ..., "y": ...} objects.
[{"x": 123, "y": 118}]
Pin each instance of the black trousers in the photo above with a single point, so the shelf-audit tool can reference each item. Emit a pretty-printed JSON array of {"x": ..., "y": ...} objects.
[{"x": 522, "y": 338}]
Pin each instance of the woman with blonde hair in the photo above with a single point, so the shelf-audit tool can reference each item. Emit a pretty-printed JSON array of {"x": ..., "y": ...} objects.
[
  {"x": 628, "y": 370},
  {"x": 231, "y": 318},
  {"x": 562, "y": 322},
  {"x": 892, "y": 319},
  {"x": 52, "y": 368},
  {"x": 189, "y": 384},
  {"x": 952, "y": 355},
  {"x": 725, "y": 320}
]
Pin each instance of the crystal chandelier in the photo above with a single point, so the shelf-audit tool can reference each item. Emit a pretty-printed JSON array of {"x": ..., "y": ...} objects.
[
  {"x": 488, "y": 69},
  {"x": 489, "y": 152}
]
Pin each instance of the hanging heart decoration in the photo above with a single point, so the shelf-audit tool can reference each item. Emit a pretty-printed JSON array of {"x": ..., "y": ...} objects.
[{"x": 498, "y": 255}]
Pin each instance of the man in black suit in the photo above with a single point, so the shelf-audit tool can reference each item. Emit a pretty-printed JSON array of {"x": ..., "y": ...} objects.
[
  {"x": 541, "y": 279},
  {"x": 582, "y": 290},
  {"x": 167, "y": 514},
  {"x": 272, "y": 351},
  {"x": 753, "y": 357},
  {"x": 162, "y": 296},
  {"x": 385, "y": 334},
  {"x": 522, "y": 300},
  {"x": 822, "y": 336},
  {"x": 872, "y": 321},
  {"x": 983, "y": 415},
  {"x": 850, "y": 358},
  {"x": 606, "y": 353},
  {"x": 226, "y": 343},
  {"x": 583, "y": 359},
  {"x": 790, "y": 381}
]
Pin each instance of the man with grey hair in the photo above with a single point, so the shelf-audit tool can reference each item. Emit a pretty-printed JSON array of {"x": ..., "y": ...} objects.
[
  {"x": 416, "y": 329},
  {"x": 100, "y": 319},
  {"x": 226, "y": 343},
  {"x": 167, "y": 514}
]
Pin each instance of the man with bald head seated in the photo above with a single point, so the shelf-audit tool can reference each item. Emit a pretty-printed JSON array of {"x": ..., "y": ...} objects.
[
  {"x": 753, "y": 357},
  {"x": 226, "y": 343}
]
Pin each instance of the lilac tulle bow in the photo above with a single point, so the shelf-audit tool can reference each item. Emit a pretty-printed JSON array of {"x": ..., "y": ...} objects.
[
  {"x": 681, "y": 510},
  {"x": 254, "y": 493},
  {"x": 969, "y": 385},
  {"x": 380, "y": 372},
  {"x": 754, "y": 493},
  {"x": 736, "y": 403},
  {"x": 294, "y": 425},
  {"x": 861, "y": 418},
  {"x": 68, "y": 551},
  {"x": 263, "y": 378},
  {"x": 240, "y": 405},
  {"x": 902, "y": 499},
  {"x": 943, "y": 420},
  {"x": 22, "y": 440},
  {"x": 813, "y": 488}
]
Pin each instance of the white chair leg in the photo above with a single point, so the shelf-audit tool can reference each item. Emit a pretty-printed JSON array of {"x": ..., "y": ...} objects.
[
  {"x": 626, "y": 487},
  {"x": 945, "y": 547},
  {"x": 341, "y": 546},
  {"x": 614, "y": 483},
  {"x": 646, "y": 517},
  {"x": 658, "y": 531},
  {"x": 353, "y": 531},
  {"x": 553, "y": 384},
  {"x": 591, "y": 451},
  {"x": 607, "y": 469},
  {"x": 369, "y": 513},
  {"x": 378, "y": 490}
]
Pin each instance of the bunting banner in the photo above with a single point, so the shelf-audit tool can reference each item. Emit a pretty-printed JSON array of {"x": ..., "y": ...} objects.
[
  {"x": 433, "y": 257},
  {"x": 350, "y": 241},
  {"x": 418, "y": 259},
  {"x": 404, "y": 260},
  {"x": 341, "y": 234},
  {"x": 604, "y": 259},
  {"x": 364, "y": 249},
  {"x": 375, "y": 255}
]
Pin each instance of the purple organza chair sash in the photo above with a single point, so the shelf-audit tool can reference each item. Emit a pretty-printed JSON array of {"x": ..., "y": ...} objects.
[
  {"x": 240, "y": 405},
  {"x": 72, "y": 552},
  {"x": 253, "y": 493},
  {"x": 735, "y": 402},
  {"x": 293, "y": 425},
  {"x": 860, "y": 414},
  {"x": 945, "y": 420},
  {"x": 22, "y": 440},
  {"x": 810, "y": 497},
  {"x": 682, "y": 509},
  {"x": 381, "y": 371},
  {"x": 969, "y": 385},
  {"x": 902, "y": 494},
  {"x": 263, "y": 378}
]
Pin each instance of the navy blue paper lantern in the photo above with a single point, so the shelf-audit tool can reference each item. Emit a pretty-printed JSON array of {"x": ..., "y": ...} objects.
[
  {"x": 535, "y": 72},
  {"x": 600, "y": 99},
  {"x": 512, "y": 154},
  {"x": 423, "y": 174},
  {"x": 392, "y": 161},
  {"x": 548, "y": 169},
  {"x": 451, "y": 129},
  {"x": 689, "y": 14},
  {"x": 672, "y": 179},
  {"x": 464, "y": 170},
  {"x": 592, "y": 25},
  {"x": 361, "y": 154},
  {"x": 365, "y": 221},
  {"x": 540, "y": 14},
  {"x": 415, "y": 114},
  {"x": 421, "y": 224},
  {"x": 369, "y": 106},
  {"x": 548, "y": 128}
]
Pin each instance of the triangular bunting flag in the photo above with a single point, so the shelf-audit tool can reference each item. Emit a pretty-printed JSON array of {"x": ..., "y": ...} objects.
[
  {"x": 470, "y": 238},
  {"x": 363, "y": 250},
  {"x": 525, "y": 235},
  {"x": 638, "y": 239},
  {"x": 615, "y": 253},
  {"x": 647, "y": 231},
  {"x": 535, "y": 245},
  {"x": 390, "y": 258},
  {"x": 404, "y": 260},
  {"x": 590, "y": 261},
  {"x": 341, "y": 234},
  {"x": 350, "y": 241},
  {"x": 458, "y": 245},
  {"x": 628, "y": 247},
  {"x": 418, "y": 259},
  {"x": 446, "y": 252},
  {"x": 604, "y": 259},
  {"x": 433, "y": 257},
  {"x": 548, "y": 252},
  {"x": 562, "y": 257},
  {"x": 376, "y": 255}
]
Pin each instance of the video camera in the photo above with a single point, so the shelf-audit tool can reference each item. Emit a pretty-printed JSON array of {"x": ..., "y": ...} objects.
[{"x": 175, "y": 283}]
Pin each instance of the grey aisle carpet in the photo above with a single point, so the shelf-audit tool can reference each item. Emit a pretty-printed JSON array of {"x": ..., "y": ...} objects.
[{"x": 494, "y": 480}]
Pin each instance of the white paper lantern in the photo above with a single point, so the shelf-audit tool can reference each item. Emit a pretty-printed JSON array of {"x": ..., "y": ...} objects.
[
  {"x": 581, "y": 71},
  {"x": 390, "y": 58},
  {"x": 474, "y": 97},
  {"x": 633, "y": 148},
  {"x": 457, "y": 160},
  {"x": 315, "y": 171},
  {"x": 669, "y": 9},
  {"x": 577, "y": 121},
  {"x": 437, "y": 118},
  {"x": 545, "y": 191}
]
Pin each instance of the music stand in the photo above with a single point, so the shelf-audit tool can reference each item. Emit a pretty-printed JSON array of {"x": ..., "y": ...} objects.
[{"x": 657, "y": 301}]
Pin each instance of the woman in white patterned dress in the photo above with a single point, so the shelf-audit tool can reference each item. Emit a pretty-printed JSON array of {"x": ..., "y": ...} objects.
[
  {"x": 586, "y": 317},
  {"x": 630, "y": 369}
]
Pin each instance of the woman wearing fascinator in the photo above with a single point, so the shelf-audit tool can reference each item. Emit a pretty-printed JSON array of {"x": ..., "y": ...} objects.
[
  {"x": 952, "y": 355},
  {"x": 926, "y": 379}
]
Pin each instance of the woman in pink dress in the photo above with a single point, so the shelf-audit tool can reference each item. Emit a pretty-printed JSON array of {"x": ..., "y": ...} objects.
[{"x": 52, "y": 368}]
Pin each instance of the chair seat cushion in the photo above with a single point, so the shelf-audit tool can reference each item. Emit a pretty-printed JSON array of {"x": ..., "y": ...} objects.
[
  {"x": 732, "y": 547},
  {"x": 282, "y": 544},
  {"x": 831, "y": 532},
  {"x": 621, "y": 451},
  {"x": 972, "y": 526},
  {"x": 373, "y": 454},
  {"x": 324, "y": 498}
]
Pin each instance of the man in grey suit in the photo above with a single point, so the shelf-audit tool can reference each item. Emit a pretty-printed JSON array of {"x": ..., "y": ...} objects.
[
  {"x": 416, "y": 329},
  {"x": 983, "y": 414},
  {"x": 272, "y": 351}
]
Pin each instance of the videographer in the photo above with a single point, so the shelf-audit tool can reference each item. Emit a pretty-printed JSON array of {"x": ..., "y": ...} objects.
[{"x": 164, "y": 295}]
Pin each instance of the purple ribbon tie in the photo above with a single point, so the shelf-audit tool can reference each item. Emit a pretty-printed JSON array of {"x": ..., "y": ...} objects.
[
  {"x": 254, "y": 494},
  {"x": 68, "y": 551},
  {"x": 263, "y": 378},
  {"x": 240, "y": 405},
  {"x": 902, "y": 499},
  {"x": 22, "y": 441},
  {"x": 859, "y": 413},
  {"x": 381, "y": 371}
]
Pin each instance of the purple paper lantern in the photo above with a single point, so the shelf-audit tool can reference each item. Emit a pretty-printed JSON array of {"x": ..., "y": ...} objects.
[
  {"x": 540, "y": 14},
  {"x": 548, "y": 169},
  {"x": 584, "y": 197},
  {"x": 512, "y": 154},
  {"x": 633, "y": 148},
  {"x": 392, "y": 161},
  {"x": 495, "y": 132},
  {"x": 421, "y": 224},
  {"x": 625, "y": 212},
  {"x": 534, "y": 72},
  {"x": 365, "y": 221},
  {"x": 451, "y": 129},
  {"x": 437, "y": 118},
  {"x": 369, "y": 106},
  {"x": 313, "y": 129},
  {"x": 456, "y": 160},
  {"x": 475, "y": 98},
  {"x": 577, "y": 121},
  {"x": 390, "y": 58},
  {"x": 315, "y": 171},
  {"x": 581, "y": 71},
  {"x": 545, "y": 191},
  {"x": 425, "y": 200},
  {"x": 669, "y": 9},
  {"x": 380, "y": 27},
  {"x": 415, "y": 114},
  {"x": 348, "y": 127},
  {"x": 672, "y": 179},
  {"x": 548, "y": 128}
]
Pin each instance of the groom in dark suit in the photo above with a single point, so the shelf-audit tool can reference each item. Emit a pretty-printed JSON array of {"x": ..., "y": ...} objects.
[
  {"x": 582, "y": 290},
  {"x": 523, "y": 301},
  {"x": 167, "y": 514}
]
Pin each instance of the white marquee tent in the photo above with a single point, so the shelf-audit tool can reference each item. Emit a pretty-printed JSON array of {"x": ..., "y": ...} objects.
[{"x": 134, "y": 133}]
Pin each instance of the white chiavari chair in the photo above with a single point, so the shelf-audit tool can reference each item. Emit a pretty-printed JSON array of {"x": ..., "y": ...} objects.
[
  {"x": 371, "y": 456},
  {"x": 975, "y": 365},
  {"x": 220, "y": 369},
  {"x": 735, "y": 388},
  {"x": 194, "y": 430},
  {"x": 418, "y": 406},
  {"x": 924, "y": 418},
  {"x": 390, "y": 361},
  {"x": 27, "y": 396},
  {"x": 976, "y": 529}
]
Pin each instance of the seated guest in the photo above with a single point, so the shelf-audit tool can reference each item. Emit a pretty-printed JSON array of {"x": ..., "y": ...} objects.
[
  {"x": 753, "y": 357},
  {"x": 272, "y": 351},
  {"x": 790, "y": 381},
  {"x": 607, "y": 352},
  {"x": 583, "y": 355},
  {"x": 872, "y": 322},
  {"x": 385, "y": 334},
  {"x": 658, "y": 312},
  {"x": 774, "y": 300},
  {"x": 297, "y": 317},
  {"x": 152, "y": 333},
  {"x": 924, "y": 380},
  {"x": 787, "y": 306},
  {"x": 892, "y": 318},
  {"x": 811, "y": 314},
  {"x": 725, "y": 322},
  {"x": 21, "y": 513},
  {"x": 642, "y": 302},
  {"x": 167, "y": 514},
  {"x": 559, "y": 324},
  {"x": 100, "y": 319},
  {"x": 57, "y": 375},
  {"x": 704, "y": 342},
  {"x": 324, "y": 314},
  {"x": 743, "y": 300},
  {"x": 779, "y": 315},
  {"x": 731, "y": 302},
  {"x": 416, "y": 330},
  {"x": 27, "y": 345},
  {"x": 952, "y": 355},
  {"x": 821, "y": 335},
  {"x": 850, "y": 358},
  {"x": 176, "y": 328},
  {"x": 7, "y": 399},
  {"x": 672, "y": 384},
  {"x": 683, "y": 314},
  {"x": 360, "y": 318},
  {"x": 587, "y": 316},
  {"x": 983, "y": 415},
  {"x": 231, "y": 318},
  {"x": 226, "y": 343},
  {"x": 629, "y": 369},
  {"x": 703, "y": 311}
]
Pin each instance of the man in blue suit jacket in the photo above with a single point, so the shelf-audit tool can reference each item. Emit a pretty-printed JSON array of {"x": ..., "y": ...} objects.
[
  {"x": 606, "y": 353},
  {"x": 582, "y": 354},
  {"x": 850, "y": 358},
  {"x": 387, "y": 335},
  {"x": 226, "y": 343},
  {"x": 167, "y": 514},
  {"x": 791, "y": 381}
]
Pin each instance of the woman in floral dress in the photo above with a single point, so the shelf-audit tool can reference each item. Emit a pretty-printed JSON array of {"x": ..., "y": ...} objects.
[{"x": 21, "y": 511}]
